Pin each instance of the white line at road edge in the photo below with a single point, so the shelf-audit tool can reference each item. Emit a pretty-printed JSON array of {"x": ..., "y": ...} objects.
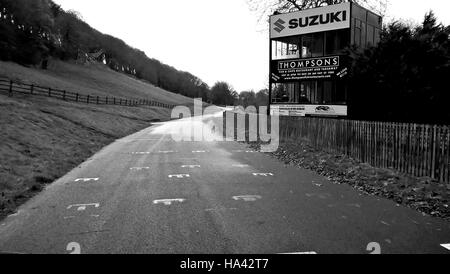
[
  {"x": 300, "y": 253},
  {"x": 241, "y": 166},
  {"x": 446, "y": 246}
]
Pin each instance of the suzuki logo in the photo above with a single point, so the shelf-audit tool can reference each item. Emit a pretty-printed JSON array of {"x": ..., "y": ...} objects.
[{"x": 279, "y": 25}]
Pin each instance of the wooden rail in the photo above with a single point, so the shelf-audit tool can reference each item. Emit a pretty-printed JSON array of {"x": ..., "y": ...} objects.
[
  {"x": 419, "y": 150},
  {"x": 11, "y": 87},
  {"x": 415, "y": 149}
]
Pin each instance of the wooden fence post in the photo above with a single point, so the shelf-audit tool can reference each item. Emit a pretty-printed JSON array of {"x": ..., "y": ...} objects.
[
  {"x": 49, "y": 92},
  {"x": 64, "y": 95},
  {"x": 87, "y": 100},
  {"x": 31, "y": 89},
  {"x": 76, "y": 97},
  {"x": 98, "y": 99}
]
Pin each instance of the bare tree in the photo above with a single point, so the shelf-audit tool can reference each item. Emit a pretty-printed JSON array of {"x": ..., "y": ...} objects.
[{"x": 264, "y": 8}]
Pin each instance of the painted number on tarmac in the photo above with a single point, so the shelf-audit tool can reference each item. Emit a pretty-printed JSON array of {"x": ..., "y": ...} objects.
[
  {"x": 374, "y": 248},
  {"x": 247, "y": 198},
  {"x": 83, "y": 207},
  {"x": 168, "y": 202},
  {"x": 74, "y": 248},
  {"x": 190, "y": 166}
]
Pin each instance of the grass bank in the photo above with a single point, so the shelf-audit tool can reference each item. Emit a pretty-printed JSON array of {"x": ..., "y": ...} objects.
[{"x": 42, "y": 139}]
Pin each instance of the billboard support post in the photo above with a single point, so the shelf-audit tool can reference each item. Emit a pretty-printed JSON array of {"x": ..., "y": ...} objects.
[{"x": 270, "y": 76}]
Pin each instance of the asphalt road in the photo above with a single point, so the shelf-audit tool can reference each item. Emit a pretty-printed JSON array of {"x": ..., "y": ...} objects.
[{"x": 149, "y": 194}]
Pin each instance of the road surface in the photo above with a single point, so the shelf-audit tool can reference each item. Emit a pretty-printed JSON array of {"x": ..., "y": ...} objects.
[{"x": 147, "y": 193}]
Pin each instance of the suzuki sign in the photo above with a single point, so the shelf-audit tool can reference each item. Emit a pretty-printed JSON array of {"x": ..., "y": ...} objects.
[{"x": 327, "y": 18}]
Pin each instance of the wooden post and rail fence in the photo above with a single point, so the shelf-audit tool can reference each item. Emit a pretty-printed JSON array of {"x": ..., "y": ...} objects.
[
  {"x": 415, "y": 149},
  {"x": 11, "y": 87}
]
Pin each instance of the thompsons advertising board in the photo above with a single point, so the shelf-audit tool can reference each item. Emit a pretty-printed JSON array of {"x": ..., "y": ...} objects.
[
  {"x": 309, "y": 110},
  {"x": 331, "y": 67},
  {"x": 327, "y": 18}
]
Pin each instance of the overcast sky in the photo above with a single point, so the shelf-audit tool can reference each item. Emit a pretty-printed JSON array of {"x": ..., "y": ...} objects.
[{"x": 216, "y": 40}]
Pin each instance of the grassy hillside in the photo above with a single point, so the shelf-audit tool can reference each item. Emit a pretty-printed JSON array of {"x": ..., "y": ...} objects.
[
  {"x": 95, "y": 79},
  {"x": 43, "y": 138}
]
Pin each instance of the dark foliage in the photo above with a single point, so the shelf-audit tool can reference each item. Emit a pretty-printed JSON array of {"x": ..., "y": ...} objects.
[
  {"x": 33, "y": 30},
  {"x": 223, "y": 94},
  {"x": 404, "y": 78},
  {"x": 250, "y": 98}
]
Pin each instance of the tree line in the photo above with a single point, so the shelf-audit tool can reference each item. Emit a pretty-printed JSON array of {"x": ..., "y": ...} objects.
[
  {"x": 405, "y": 77},
  {"x": 33, "y": 31}
]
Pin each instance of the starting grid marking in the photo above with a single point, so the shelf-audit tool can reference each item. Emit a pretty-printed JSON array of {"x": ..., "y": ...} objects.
[
  {"x": 263, "y": 174},
  {"x": 446, "y": 246},
  {"x": 247, "y": 198},
  {"x": 190, "y": 166},
  {"x": 179, "y": 176},
  {"x": 168, "y": 202},
  {"x": 83, "y": 207},
  {"x": 87, "y": 179}
]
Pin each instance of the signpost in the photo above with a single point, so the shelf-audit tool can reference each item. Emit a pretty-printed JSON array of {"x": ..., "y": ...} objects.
[{"x": 321, "y": 19}]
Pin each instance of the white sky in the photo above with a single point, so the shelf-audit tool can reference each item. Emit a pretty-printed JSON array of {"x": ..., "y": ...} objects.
[{"x": 216, "y": 40}]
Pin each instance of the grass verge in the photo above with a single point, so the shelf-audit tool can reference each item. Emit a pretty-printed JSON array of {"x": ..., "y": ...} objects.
[{"x": 42, "y": 139}]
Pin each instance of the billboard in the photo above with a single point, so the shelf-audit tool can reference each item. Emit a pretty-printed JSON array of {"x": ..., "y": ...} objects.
[
  {"x": 309, "y": 110},
  {"x": 329, "y": 67},
  {"x": 327, "y": 18}
]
